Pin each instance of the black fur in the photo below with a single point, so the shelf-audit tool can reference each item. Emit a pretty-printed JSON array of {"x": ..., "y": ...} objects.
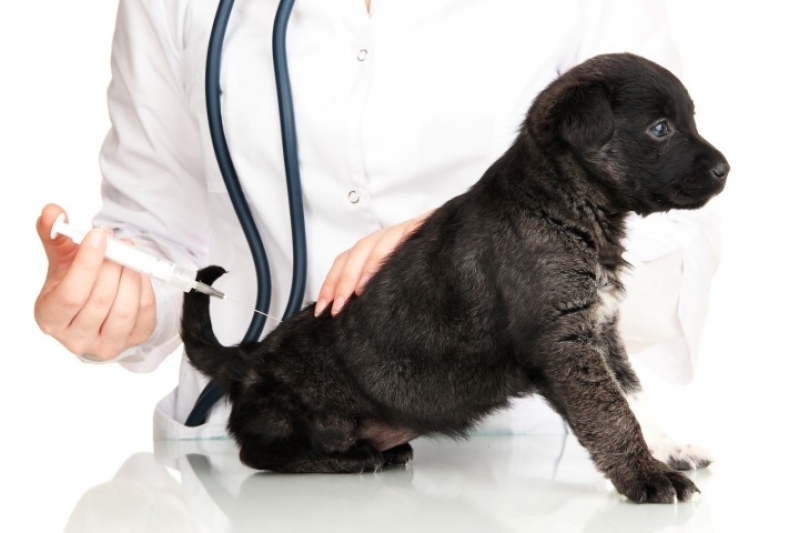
[{"x": 505, "y": 291}]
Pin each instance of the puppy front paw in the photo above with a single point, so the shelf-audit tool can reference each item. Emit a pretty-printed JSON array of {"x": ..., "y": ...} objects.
[
  {"x": 657, "y": 483},
  {"x": 679, "y": 457}
]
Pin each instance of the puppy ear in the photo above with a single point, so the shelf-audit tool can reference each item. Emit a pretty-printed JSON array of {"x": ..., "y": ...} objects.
[{"x": 585, "y": 118}]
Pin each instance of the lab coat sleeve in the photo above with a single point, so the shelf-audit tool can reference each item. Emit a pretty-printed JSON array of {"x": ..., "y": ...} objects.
[
  {"x": 153, "y": 186},
  {"x": 674, "y": 255}
]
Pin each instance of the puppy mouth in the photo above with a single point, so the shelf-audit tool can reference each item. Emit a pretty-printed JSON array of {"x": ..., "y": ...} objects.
[
  {"x": 684, "y": 194},
  {"x": 693, "y": 203},
  {"x": 695, "y": 197}
]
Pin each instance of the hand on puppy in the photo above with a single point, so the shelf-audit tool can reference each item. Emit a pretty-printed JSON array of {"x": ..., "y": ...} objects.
[
  {"x": 353, "y": 268},
  {"x": 91, "y": 306}
]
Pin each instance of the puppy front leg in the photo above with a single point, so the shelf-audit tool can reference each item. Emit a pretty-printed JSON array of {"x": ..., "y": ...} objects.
[
  {"x": 582, "y": 387},
  {"x": 662, "y": 447}
]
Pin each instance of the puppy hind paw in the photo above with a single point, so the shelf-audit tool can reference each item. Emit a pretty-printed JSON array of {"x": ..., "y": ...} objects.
[
  {"x": 398, "y": 455},
  {"x": 357, "y": 460}
]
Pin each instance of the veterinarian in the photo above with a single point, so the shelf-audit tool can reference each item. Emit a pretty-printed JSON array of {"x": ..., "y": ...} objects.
[{"x": 400, "y": 105}]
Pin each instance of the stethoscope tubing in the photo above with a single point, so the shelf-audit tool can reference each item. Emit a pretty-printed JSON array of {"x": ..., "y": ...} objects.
[
  {"x": 291, "y": 162},
  {"x": 211, "y": 394}
]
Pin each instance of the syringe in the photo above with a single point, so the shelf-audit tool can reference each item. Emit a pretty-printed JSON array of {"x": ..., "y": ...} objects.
[{"x": 129, "y": 256}]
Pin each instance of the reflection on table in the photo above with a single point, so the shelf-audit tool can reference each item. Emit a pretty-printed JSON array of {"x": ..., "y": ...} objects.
[{"x": 485, "y": 484}]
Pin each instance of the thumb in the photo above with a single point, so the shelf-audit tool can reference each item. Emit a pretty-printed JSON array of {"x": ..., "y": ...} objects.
[{"x": 60, "y": 250}]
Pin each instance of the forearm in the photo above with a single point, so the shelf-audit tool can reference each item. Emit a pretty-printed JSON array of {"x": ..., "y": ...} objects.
[{"x": 153, "y": 188}]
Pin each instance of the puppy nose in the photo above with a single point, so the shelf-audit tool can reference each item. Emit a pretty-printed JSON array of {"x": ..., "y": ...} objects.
[{"x": 721, "y": 170}]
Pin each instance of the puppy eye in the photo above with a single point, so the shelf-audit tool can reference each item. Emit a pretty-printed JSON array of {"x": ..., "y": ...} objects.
[{"x": 659, "y": 130}]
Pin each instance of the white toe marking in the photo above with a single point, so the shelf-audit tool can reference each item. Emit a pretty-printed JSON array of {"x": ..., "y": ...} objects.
[{"x": 662, "y": 447}]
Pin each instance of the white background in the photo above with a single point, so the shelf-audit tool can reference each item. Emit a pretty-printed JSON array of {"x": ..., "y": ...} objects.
[{"x": 740, "y": 65}]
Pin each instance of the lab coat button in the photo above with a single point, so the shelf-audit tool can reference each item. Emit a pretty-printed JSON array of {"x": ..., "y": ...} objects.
[
  {"x": 354, "y": 197},
  {"x": 362, "y": 54}
]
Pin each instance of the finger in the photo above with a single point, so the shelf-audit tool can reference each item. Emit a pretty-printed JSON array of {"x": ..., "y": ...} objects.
[
  {"x": 327, "y": 292},
  {"x": 84, "y": 330},
  {"x": 116, "y": 329},
  {"x": 145, "y": 321},
  {"x": 62, "y": 299},
  {"x": 388, "y": 242},
  {"x": 352, "y": 270},
  {"x": 391, "y": 239}
]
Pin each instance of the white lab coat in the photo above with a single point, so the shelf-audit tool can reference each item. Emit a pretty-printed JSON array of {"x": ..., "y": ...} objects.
[{"x": 396, "y": 112}]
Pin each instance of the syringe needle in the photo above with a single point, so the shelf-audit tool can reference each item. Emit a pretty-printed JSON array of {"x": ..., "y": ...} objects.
[
  {"x": 267, "y": 315},
  {"x": 210, "y": 291}
]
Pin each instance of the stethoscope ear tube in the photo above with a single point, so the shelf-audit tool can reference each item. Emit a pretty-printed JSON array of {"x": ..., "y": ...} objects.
[{"x": 211, "y": 394}]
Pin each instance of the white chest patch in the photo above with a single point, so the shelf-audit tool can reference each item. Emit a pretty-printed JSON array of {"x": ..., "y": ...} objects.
[{"x": 609, "y": 297}]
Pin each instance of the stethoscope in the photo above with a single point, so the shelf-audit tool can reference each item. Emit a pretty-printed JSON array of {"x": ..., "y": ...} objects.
[{"x": 211, "y": 394}]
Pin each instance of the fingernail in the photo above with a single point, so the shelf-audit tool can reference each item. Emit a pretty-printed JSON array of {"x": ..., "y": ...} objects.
[
  {"x": 96, "y": 238},
  {"x": 361, "y": 284},
  {"x": 320, "y": 306},
  {"x": 338, "y": 303}
]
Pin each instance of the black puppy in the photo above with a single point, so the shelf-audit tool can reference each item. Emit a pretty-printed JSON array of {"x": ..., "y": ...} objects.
[{"x": 507, "y": 290}]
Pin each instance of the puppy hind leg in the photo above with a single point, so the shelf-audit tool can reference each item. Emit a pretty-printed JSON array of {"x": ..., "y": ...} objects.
[
  {"x": 317, "y": 443},
  {"x": 331, "y": 455}
]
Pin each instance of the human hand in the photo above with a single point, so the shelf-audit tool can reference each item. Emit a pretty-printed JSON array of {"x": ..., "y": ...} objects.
[
  {"x": 353, "y": 268},
  {"x": 90, "y": 305}
]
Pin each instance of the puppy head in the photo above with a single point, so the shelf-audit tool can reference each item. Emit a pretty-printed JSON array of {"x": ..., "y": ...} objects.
[{"x": 630, "y": 124}]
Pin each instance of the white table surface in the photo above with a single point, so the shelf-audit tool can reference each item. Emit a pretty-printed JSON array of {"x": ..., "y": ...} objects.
[{"x": 485, "y": 484}]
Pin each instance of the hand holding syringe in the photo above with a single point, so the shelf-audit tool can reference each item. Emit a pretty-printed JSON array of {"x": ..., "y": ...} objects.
[
  {"x": 96, "y": 307},
  {"x": 136, "y": 259},
  {"x": 92, "y": 306},
  {"x": 131, "y": 257}
]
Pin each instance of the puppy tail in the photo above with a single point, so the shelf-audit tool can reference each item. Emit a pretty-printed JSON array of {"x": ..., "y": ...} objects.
[{"x": 205, "y": 352}]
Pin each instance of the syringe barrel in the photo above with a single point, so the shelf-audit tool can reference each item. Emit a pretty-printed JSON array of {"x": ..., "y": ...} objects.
[
  {"x": 131, "y": 257},
  {"x": 126, "y": 255},
  {"x": 175, "y": 275}
]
